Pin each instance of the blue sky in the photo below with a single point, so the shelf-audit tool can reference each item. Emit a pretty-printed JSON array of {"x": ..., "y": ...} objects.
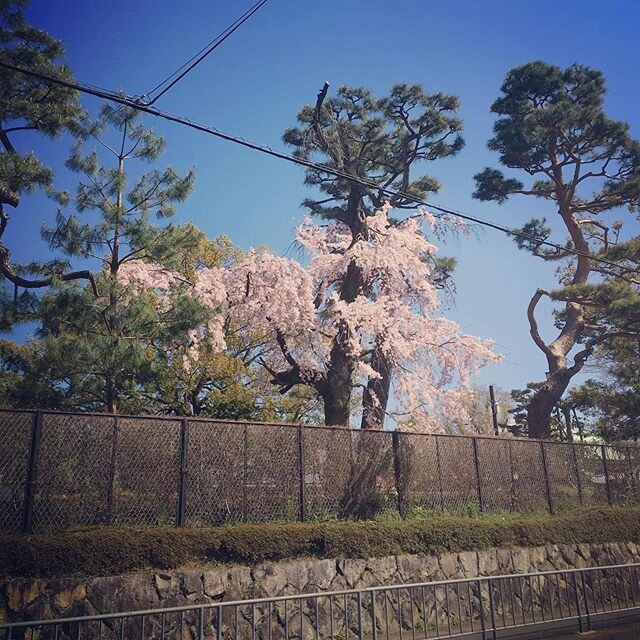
[{"x": 255, "y": 83}]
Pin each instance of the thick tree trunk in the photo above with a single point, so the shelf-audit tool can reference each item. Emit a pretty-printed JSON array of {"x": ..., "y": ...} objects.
[
  {"x": 543, "y": 401},
  {"x": 338, "y": 386},
  {"x": 376, "y": 395}
]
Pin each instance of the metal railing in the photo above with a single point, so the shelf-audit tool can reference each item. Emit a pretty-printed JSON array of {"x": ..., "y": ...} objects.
[
  {"x": 482, "y": 607},
  {"x": 60, "y": 470}
]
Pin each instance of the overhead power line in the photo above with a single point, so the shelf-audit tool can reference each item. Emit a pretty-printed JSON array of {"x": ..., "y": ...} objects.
[
  {"x": 196, "y": 59},
  {"x": 135, "y": 103}
]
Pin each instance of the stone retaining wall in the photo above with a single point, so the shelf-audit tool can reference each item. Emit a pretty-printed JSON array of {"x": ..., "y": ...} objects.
[{"x": 63, "y": 597}]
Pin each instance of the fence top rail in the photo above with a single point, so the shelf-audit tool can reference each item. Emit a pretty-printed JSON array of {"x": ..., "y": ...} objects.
[
  {"x": 311, "y": 427},
  {"x": 306, "y": 596}
]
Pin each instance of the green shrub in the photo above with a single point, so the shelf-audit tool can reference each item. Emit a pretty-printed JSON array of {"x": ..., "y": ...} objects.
[{"x": 108, "y": 551}]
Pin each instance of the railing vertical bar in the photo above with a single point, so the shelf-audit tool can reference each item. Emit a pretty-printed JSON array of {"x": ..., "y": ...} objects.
[
  {"x": 559, "y": 596},
  {"x": 513, "y": 602},
  {"x": 121, "y": 628},
  {"x": 492, "y": 609},
  {"x": 359, "y": 604},
  {"x": 142, "y": 627},
  {"x": 425, "y": 616},
  {"x": 501, "y": 593},
  {"x": 586, "y": 601},
  {"x": 437, "y": 614},
  {"x": 412, "y": 617},
  {"x": 533, "y": 607},
  {"x": 520, "y": 584},
  {"x": 457, "y": 588},
  {"x": 32, "y": 473},
  {"x": 386, "y": 612},
  {"x": 162, "y": 626},
  {"x": 447, "y": 604},
  {"x": 374, "y": 621},
  {"x": 219, "y": 623},
  {"x": 302, "y": 620},
  {"x": 578, "y": 609},
  {"x": 541, "y": 596},
  {"x": 470, "y": 600},
  {"x": 633, "y": 583},
  {"x": 317, "y": 612},
  {"x": 399, "y": 611},
  {"x": 253, "y": 622},
  {"x": 346, "y": 619},
  {"x": 481, "y": 599},
  {"x": 286, "y": 621}
]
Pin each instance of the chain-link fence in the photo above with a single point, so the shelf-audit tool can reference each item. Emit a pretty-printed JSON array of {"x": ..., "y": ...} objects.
[{"x": 62, "y": 470}]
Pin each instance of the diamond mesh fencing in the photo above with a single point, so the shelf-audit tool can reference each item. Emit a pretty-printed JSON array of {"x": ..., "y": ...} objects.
[
  {"x": 496, "y": 474},
  {"x": 620, "y": 475},
  {"x": 72, "y": 471},
  {"x": 458, "y": 472},
  {"x": 566, "y": 493},
  {"x": 328, "y": 469},
  {"x": 59, "y": 471},
  {"x": 147, "y": 470},
  {"x": 529, "y": 485},
  {"x": 216, "y": 476},
  {"x": 593, "y": 479},
  {"x": 15, "y": 444},
  {"x": 420, "y": 470},
  {"x": 272, "y": 473}
]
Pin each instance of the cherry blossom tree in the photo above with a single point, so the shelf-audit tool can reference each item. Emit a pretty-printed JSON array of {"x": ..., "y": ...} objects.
[{"x": 300, "y": 308}]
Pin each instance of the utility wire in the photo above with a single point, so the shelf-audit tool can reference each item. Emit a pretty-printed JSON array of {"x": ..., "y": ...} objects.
[
  {"x": 135, "y": 103},
  {"x": 204, "y": 52}
]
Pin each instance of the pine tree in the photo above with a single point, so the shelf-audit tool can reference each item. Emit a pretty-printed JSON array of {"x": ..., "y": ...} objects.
[
  {"x": 381, "y": 141},
  {"x": 552, "y": 127},
  {"x": 28, "y": 104},
  {"x": 106, "y": 341}
]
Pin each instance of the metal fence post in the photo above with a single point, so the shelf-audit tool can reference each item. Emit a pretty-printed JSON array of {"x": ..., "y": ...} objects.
[
  {"x": 606, "y": 473},
  {"x": 578, "y": 479},
  {"x": 182, "y": 482},
  {"x": 32, "y": 472},
  {"x": 634, "y": 486},
  {"x": 513, "y": 480},
  {"x": 245, "y": 471},
  {"x": 545, "y": 470},
  {"x": 112, "y": 471},
  {"x": 476, "y": 462},
  {"x": 439, "y": 471},
  {"x": 397, "y": 470},
  {"x": 302, "y": 501}
]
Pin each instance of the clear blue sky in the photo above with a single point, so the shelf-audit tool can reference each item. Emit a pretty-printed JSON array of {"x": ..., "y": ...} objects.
[{"x": 256, "y": 82}]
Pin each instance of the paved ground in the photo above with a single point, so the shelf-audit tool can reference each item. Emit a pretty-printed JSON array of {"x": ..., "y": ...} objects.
[{"x": 624, "y": 632}]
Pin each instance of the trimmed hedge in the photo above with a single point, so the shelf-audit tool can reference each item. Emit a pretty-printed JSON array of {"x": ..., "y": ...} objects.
[{"x": 109, "y": 551}]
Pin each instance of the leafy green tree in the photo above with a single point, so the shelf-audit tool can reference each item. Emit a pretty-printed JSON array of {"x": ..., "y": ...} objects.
[
  {"x": 380, "y": 141},
  {"x": 28, "y": 104},
  {"x": 552, "y": 127},
  {"x": 107, "y": 340}
]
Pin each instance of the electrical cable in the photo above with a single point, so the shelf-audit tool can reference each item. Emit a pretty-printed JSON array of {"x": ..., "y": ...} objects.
[
  {"x": 135, "y": 103},
  {"x": 207, "y": 49}
]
